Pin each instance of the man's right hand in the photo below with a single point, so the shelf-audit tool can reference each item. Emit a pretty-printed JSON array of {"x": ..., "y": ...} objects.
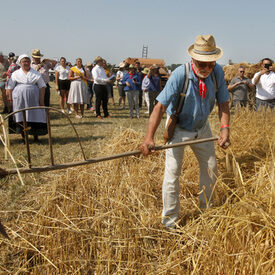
[
  {"x": 263, "y": 71},
  {"x": 147, "y": 147}
]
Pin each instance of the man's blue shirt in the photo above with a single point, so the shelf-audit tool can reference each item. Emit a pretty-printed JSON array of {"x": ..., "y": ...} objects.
[
  {"x": 133, "y": 86},
  {"x": 196, "y": 110}
]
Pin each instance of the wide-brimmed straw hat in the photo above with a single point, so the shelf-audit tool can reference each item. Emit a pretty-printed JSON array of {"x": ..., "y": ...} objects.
[
  {"x": 146, "y": 71},
  {"x": 89, "y": 64},
  {"x": 99, "y": 58},
  {"x": 121, "y": 65},
  {"x": 205, "y": 49},
  {"x": 36, "y": 53},
  {"x": 132, "y": 66}
]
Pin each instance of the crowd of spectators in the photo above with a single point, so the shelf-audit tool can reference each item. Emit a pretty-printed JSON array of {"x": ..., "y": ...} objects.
[{"x": 91, "y": 86}]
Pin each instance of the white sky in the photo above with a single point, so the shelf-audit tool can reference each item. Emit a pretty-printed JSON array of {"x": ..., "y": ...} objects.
[{"x": 118, "y": 29}]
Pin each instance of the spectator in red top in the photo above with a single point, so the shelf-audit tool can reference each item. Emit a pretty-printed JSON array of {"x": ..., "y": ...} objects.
[{"x": 13, "y": 67}]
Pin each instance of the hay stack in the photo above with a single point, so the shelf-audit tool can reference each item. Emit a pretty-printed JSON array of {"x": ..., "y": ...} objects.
[
  {"x": 230, "y": 71},
  {"x": 105, "y": 218}
]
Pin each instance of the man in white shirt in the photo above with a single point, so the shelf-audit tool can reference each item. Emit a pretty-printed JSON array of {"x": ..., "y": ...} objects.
[
  {"x": 101, "y": 92},
  {"x": 264, "y": 81}
]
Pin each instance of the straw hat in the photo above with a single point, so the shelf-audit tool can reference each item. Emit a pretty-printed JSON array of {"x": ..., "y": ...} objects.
[
  {"x": 132, "y": 66},
  {"x": 146, "y": 71},
  {"x": 205, "y": 49},
  {"x": 154, "y": 66},
  {"x": 99, "y": 58},
  {"x": 36, "y": 53},
  {"x": 89, "y": 64},
  {"x": 121, "y": 65}
]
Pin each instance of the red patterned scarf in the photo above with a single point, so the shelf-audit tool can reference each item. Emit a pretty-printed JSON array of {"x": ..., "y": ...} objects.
[{"x": 202, "y": 86}]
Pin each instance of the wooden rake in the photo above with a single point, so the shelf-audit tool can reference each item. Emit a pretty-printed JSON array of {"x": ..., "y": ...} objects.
[{"x": 33, "y": 169}]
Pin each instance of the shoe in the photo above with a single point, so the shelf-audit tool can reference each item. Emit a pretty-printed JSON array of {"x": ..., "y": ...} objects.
[
  {"x": 63, "y": 111},
  {"x": 100, "y": 117},
  {"x": 92, "y": 109},
  {"x": 108, "y": 116},
  {"x": 138, "y": 117},
  {"x": 146, "y": 112},
  {"x": 78, "y": 116},
  {"x": 120, "y": 108},
  {"x": 69, "y": 112}
]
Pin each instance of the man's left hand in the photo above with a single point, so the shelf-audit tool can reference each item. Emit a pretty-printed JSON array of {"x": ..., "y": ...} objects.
[{"x": 224, "y": 140}]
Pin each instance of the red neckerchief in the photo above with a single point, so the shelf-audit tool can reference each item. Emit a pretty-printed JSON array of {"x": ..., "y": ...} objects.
[
  {"x": 131, "y": 75},
  {"x": 202, "y": 86}
]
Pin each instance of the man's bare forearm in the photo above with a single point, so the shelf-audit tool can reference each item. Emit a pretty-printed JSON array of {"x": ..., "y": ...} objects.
[
  {"x": 155, "y": 120},
  {"x": 224, "y": 113}
]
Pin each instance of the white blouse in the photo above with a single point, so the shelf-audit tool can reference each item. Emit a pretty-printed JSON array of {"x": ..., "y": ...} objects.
[
  {"x": 32, "y": 77},
  {"x": 63, "y": 72}
]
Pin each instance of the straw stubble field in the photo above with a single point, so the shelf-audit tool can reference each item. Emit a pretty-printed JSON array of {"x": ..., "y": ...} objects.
[{"x": 105, "y": 218}]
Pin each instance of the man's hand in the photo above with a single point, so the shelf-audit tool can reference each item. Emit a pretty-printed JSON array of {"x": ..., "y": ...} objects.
[
  {"x": 128, "y": 84},
  {"x": 263, "y": 71},
  {"x": 147, "y": 147},
  {"x": 224, "y": 140}
]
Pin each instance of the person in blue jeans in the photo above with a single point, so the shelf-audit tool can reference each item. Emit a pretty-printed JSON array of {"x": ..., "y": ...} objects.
[
  {"x": 154, "y": 87},
  {"x": 132, "y": 83}
]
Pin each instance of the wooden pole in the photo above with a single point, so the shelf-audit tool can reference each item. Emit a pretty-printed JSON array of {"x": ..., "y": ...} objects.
[
  {"x": 50, "y": 135},
  {"x": 26, "y": 136},
  {"x": 23, "y": 170}
]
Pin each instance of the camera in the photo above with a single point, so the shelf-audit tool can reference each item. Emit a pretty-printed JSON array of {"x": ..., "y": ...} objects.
[{"x": 267, "y": 66}]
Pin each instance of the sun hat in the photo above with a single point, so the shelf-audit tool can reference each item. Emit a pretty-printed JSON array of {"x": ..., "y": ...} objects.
[
  {"x": 89, "y": 64},
  {"x": 154, "y": 66},
  {"x": 132, "y": 66},
  {"x": 99, "y": 58},
  {"x": 36, "y": 53},
  {"x": 205, "y": 49},
  {"x": 146, "y": 71},
  {"x": 121, "y": 65}
]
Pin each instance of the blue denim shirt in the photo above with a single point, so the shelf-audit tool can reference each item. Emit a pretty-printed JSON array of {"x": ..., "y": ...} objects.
[
  {"x": 154, "y": 84},
  {"x": 196, "y": 110},
  {"x": 133, "y": 87}
]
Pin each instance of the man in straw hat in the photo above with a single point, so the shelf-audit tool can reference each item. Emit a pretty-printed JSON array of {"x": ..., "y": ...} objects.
[
  {"x": 119, "y": 76},
  {"x": 192, "y": 123},
  {"x": 43, "y": 67}
]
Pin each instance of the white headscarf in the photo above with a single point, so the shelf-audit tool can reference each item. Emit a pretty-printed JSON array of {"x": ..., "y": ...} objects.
[{"x": 21, "y": 57}]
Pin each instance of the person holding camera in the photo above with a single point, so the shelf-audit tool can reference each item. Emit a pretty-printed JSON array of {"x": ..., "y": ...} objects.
[
  {"x": 264, "y": 80},
  {"x": 239, "y": 87}
]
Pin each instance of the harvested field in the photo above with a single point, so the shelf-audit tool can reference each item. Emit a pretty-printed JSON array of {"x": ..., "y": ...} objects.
[{"x": 105, "y": 218}]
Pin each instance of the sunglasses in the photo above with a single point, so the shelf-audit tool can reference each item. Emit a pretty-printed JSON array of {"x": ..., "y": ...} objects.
[
  {"x": 241, "y": 71},
  {"x": 203, "y": 65}
]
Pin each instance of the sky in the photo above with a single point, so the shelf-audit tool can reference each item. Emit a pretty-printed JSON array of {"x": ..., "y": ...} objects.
[{"x": 117, "y": 29}]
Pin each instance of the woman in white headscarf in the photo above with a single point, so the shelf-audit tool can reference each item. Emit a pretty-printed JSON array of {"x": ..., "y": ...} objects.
[{"x": 26, "y": 88}]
